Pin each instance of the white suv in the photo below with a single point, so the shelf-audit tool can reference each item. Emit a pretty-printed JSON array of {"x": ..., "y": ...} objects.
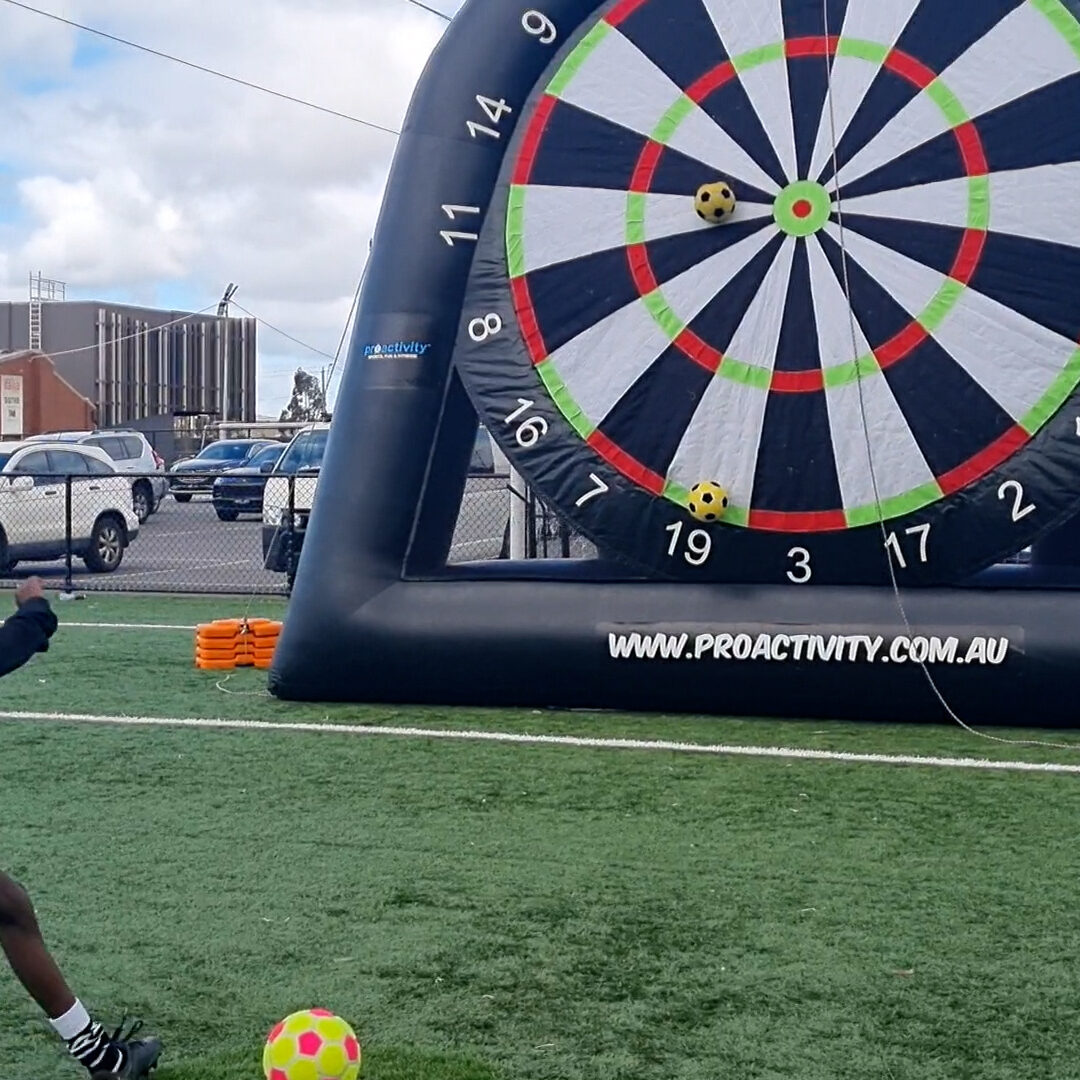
[
  {"x": 33, "y": 505},
  {"x": 130, "y": 453},
  {"x": 297, "y": 470}
]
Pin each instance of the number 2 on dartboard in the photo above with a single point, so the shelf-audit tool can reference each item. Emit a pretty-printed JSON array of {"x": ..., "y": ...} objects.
[{"x": 1015, "y": 491}]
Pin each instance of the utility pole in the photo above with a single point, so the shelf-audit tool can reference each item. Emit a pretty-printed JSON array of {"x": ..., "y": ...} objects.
[{"x": 223, "y": 337}]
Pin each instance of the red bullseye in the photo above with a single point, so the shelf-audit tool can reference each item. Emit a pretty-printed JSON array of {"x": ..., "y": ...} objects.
[{"x": 802, "y": 209}]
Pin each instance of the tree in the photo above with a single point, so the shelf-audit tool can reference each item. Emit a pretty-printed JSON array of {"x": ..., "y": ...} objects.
[{"x": 308, "y": 402}]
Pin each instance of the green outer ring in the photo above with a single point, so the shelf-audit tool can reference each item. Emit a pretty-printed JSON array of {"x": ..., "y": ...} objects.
[{"x": 866, "y": 366}]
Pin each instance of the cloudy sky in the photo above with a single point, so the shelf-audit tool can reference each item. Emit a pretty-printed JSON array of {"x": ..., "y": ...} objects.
[{"x": 134, "y": 179}]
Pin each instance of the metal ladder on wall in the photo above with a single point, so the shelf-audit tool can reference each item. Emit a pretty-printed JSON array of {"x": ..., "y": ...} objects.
[
  {"x": 35, "y": 325},
  {"x": 41, "y": 288}
]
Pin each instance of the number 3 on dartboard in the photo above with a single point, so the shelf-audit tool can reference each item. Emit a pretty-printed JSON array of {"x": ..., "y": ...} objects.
[{"x": 803, "y": 572}]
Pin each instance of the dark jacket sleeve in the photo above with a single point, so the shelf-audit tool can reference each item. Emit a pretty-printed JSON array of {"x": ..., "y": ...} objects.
[{"x": 25, "y": 633}]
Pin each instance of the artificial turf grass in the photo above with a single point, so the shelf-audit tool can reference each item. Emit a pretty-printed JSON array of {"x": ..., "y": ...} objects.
[
  {"x": 151, "y": 673},
  {"x": 499, "y": 913}
]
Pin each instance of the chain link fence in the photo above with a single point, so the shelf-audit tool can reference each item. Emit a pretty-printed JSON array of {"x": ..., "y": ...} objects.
[{"x": 84, "y": 534}]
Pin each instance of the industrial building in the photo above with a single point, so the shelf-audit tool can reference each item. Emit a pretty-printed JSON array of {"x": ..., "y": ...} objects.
[{"x": 140, "y": 367}]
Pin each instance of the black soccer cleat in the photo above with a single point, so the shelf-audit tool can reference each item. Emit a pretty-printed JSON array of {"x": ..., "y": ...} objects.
[{"x": 140, "y": 1055}]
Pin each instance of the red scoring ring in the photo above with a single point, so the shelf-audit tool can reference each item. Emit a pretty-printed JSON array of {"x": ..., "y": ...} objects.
[{"x": 901, "y": 345}]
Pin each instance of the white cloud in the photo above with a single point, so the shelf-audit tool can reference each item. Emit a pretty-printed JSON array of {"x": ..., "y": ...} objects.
[
  {"x": 107, "y": 228},
  {"x": 136, "y": 177}
]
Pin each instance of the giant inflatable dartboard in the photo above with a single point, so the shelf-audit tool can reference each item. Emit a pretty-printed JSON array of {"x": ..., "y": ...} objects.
[{"x": 885, "y": 332}]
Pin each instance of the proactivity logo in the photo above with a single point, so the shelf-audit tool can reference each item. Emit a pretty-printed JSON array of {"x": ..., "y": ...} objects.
[{"x": 398, "y": 350}]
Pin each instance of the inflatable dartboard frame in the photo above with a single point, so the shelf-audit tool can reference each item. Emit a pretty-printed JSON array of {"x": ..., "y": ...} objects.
[{"x": 377, "y": 615}]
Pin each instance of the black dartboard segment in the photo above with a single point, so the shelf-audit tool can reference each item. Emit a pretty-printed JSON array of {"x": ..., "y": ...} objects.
[{"x": 883, "y": 333}]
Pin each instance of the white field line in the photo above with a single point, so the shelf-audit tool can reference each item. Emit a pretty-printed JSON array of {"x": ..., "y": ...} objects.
[
  {"x": 573, "y": 741},
  {"x": 124, "y": 626}
]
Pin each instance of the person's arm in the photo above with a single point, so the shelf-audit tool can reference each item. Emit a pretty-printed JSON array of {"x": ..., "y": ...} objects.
[{"x": 27, "y": 631}]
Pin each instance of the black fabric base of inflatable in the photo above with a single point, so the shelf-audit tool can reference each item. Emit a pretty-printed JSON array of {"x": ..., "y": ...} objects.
[{"x": 1000, "y": 650}]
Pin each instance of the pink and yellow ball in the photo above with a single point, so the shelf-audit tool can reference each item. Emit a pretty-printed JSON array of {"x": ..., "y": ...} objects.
[{"x": 312, "y": 1045}]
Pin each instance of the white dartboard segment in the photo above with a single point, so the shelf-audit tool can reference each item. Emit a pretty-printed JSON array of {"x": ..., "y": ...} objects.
[
  {"x": 841, "y": 340},
  {"x": 1037, "y": 203},
  {"x": 946, "y": 202},
  {"x": 620, "y": 84},
  {"x": 746, "y": 25},
  {"x": 601, "y": 218},
  {"x": 669, "y": 215},
  {"x": 865, "y": 20},
  {"x": 758, "y": 336},
  {"x": 1012, "y": 358},
  {"x": 723, "y": 440},
  {"x": 690, "y": 292},
  {"x": 867, "y": 425},
  {"x": 1022, "y": 54},
  {"x": 600, "y": 365}
]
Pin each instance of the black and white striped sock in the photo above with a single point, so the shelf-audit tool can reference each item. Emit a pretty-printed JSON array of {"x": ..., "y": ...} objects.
[
  {"x": 87, "y": 1042},
  {"x": 95, "y": 1050}
]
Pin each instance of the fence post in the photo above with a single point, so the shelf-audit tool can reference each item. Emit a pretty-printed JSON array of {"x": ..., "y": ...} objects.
[
  {"x": 530, "y": 526},
  {"x": 290, "y": 538},
  {"x": 519, "y": 494},
  {"x": 69, "y": 585}
]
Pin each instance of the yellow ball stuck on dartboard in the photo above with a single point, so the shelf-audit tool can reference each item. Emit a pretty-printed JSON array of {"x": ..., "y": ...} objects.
[
  {"x": 715, "y": 202},
  {"x": 708, "y": 502}
]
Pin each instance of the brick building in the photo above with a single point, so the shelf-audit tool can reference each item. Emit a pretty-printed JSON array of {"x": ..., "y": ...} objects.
[{"x": 35, "y": 398}]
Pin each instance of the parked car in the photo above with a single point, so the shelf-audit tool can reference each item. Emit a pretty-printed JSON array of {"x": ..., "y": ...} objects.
[
  {"x": 33, "y": 505},
  {"x": 130, "y": 453},
  {"x": 196, "y": 475},
  {"x": 288, "y": 497},
  {"x": 240, "y": 491}
]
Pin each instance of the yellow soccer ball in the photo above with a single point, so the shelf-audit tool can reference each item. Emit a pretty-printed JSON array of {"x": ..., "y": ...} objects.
[
  {"x": 715, "y": 202},
  {"x": 312, "y": 1045},
  {"x": 708, "y": 502}
]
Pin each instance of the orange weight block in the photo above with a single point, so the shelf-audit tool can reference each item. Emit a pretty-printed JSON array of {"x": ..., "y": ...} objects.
[{"x": 230, "y": 643}]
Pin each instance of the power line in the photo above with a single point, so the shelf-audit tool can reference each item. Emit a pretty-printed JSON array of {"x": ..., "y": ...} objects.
[
  {"x": 206, "y": 70},
  {"x": 441, "y": 14},
  {"x": 131, "y": 337},
  {"x": 348, "y": 322},
  {"x": 278, "y": 330}
]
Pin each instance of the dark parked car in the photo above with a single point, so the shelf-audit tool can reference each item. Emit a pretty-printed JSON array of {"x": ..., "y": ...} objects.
[
  {"x": 240, "y": 491},
  {"x": 196, "y": 475}
]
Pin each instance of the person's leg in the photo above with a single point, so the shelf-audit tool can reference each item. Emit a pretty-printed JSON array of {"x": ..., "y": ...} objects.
[
  {"x": 34, "y": 967},
  {"x": 25, "y": 950}
]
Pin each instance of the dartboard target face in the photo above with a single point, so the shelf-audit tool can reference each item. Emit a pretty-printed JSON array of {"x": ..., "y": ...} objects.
[{"x": 874, "y": 354}]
